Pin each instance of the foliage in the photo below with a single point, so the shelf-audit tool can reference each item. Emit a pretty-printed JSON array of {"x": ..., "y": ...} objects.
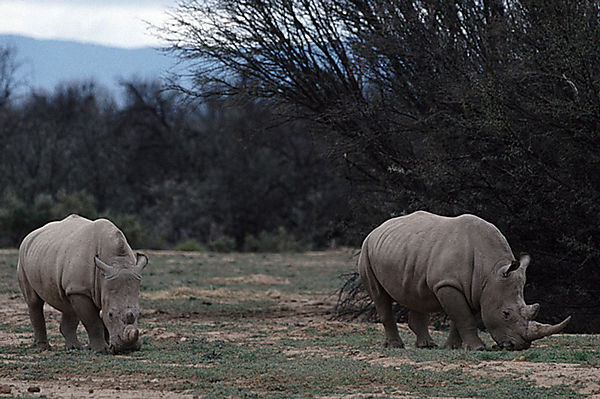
[
  {"x": 161, "y": 168},
  {"x": 278, "y": 241},
  {"x": 189, "y": 245},
  {"x": 483, "y": 107},
  {"x": 222, "y": 244},
  {"x": 78, "y": 202}
]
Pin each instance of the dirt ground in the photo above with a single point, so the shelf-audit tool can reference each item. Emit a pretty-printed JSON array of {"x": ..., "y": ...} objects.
[{"x": 304, "y": 314}]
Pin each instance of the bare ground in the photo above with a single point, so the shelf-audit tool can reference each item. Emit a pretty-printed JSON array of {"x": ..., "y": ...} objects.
[{"x": 300, "y": 317}]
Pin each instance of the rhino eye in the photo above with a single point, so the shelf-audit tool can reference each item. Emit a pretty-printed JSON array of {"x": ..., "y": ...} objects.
[
  {"x": 506, "y": 314},
  {"x": 110, "y": 314}
]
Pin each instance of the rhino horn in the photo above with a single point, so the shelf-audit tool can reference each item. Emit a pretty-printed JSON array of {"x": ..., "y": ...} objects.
[
  {"x": 131, "y": 334},
  {"x": 107, "y": 270},
  {"x": 537, "y": 330},
  {"x": 524, "y": 261},
  {"x": 531, "y": 311}
]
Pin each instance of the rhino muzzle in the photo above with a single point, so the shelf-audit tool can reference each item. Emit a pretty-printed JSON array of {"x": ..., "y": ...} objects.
[{"x": 128, "y": 341}]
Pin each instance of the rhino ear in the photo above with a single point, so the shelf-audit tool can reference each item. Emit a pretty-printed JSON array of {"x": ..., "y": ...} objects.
[
  {"x": 506, "y": 270},
  {"x": 142, "y": 261},
  {"x": 524, "y": 260},
  {"x": 107, "y": 270}
]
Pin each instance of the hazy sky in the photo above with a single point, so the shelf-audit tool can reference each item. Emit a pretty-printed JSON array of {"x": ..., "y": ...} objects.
[{"x": 121, "y": 23}]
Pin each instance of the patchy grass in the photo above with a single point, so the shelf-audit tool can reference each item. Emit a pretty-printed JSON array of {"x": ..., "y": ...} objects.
[{"x": 258, "y": 325}]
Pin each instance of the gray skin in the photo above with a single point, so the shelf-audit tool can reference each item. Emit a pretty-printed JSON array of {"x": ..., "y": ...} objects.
[
  {"x": 462, "y": 266},
  {"x": 87, "y": 270}
]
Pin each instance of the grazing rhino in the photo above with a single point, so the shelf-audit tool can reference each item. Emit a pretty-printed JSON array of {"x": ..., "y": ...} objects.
[
  {"x": 462, "y": 265},
  {"x": 87, "y": 270}
]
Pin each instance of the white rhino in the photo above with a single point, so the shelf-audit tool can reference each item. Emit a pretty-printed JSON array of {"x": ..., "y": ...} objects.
[
  {"x": 460, "y": 265},
  {"x": 87, "y": 270}
]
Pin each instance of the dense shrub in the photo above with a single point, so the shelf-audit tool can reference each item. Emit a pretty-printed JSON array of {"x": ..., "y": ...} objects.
[
  {"x": 190, "y": 245},
  {"x": 222, "y": 243},
  {"x": 278, "y": 241}
]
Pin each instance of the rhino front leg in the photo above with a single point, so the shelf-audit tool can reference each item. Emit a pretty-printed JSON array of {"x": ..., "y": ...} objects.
[
  {"x": 456, "y": 307},
  {"x": 419, "y": 324},
  {"x": 454, "y": 341},
  {"x": 87, "y": 312},
  {"x": 68, "y": 328}
]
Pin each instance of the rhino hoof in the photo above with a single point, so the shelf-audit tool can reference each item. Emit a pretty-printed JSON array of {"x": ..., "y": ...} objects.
[
  {"x": 479, "y": 348},
  {"x": 41, "y": 345},
  {"x": 102, "y": 350},
  {"x": 393, "y": 344},
  {"x": 426, "y": 345}
]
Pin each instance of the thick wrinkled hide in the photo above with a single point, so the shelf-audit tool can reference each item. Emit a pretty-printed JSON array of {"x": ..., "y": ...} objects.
[
  {"x": 463, "y": 266},
  {"x": 87, "y": 270}
]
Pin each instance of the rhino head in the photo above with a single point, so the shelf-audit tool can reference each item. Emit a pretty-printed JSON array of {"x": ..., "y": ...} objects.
[
  {"x": 504, "y": 312},
  {"x": 120, "y": 287}
]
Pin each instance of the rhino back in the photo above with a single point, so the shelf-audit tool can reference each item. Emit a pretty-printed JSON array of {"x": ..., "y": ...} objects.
[
  {"x": 58, "y": 258},
  {"x": 414, "y": 255}
]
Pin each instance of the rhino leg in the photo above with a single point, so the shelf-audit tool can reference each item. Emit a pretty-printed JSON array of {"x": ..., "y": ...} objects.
[
  {"x": 383, "y": 301},
  {"x": 36, "y": 315},
  {"x": 419, "y": 322},
  {"x": 454, "y": 341},
  {"x": 68, "y": 328},
  {"x": 456, "y": 307},
  {"x": 383, "y": 304},
  {"x": 35, "y": 306},
  {"x": 87, "y": 312}
]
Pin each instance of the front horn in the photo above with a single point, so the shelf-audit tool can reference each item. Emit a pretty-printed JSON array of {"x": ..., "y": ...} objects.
[{"x": 537, "y": 330}]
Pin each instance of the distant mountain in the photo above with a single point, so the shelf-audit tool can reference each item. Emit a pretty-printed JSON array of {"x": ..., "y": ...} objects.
[{"x": 46, "y": 63}]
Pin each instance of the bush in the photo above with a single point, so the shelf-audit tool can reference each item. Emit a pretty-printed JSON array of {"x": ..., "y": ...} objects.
[
  {"x": 138, "y": 235},
  {"x": 223, "y": 243},
  {"x": 190, "y": 245},
  {"x": 78, "y": 202},
  {"x": 278, "y": 241},
  {"x": 17, "y": 218}
]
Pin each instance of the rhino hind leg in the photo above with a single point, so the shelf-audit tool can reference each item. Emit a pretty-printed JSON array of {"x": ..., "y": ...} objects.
[
  {"x": 383, "y": 302},
  {"x": 36, "y": 315},
  {"x": 87, "y": 312},
  {"x": 68, "y": 328},
  {"x": 35, "y": 307},
  {"x": 419, "y": 324}
]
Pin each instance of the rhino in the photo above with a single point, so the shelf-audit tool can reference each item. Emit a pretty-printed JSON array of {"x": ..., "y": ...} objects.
[
  {"x": 460, "y": 265},
  {"x": 86, "y": 270}
]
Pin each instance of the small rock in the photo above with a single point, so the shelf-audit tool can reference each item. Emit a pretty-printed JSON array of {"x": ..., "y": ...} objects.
[
  {"x": 274, "y": 294},
  {"x": 5, "y": 389},
  {"x": 91, "y": 391},
  {"x": 519, "y": 359},
  {"x": 154, "y": 380},
  {"x": 33, "y": 389}
]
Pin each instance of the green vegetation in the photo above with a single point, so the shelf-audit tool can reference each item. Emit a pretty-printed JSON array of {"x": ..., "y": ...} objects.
[
  {"x": 256, "y": 325},
  {"x": 190, "y": 245}
]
